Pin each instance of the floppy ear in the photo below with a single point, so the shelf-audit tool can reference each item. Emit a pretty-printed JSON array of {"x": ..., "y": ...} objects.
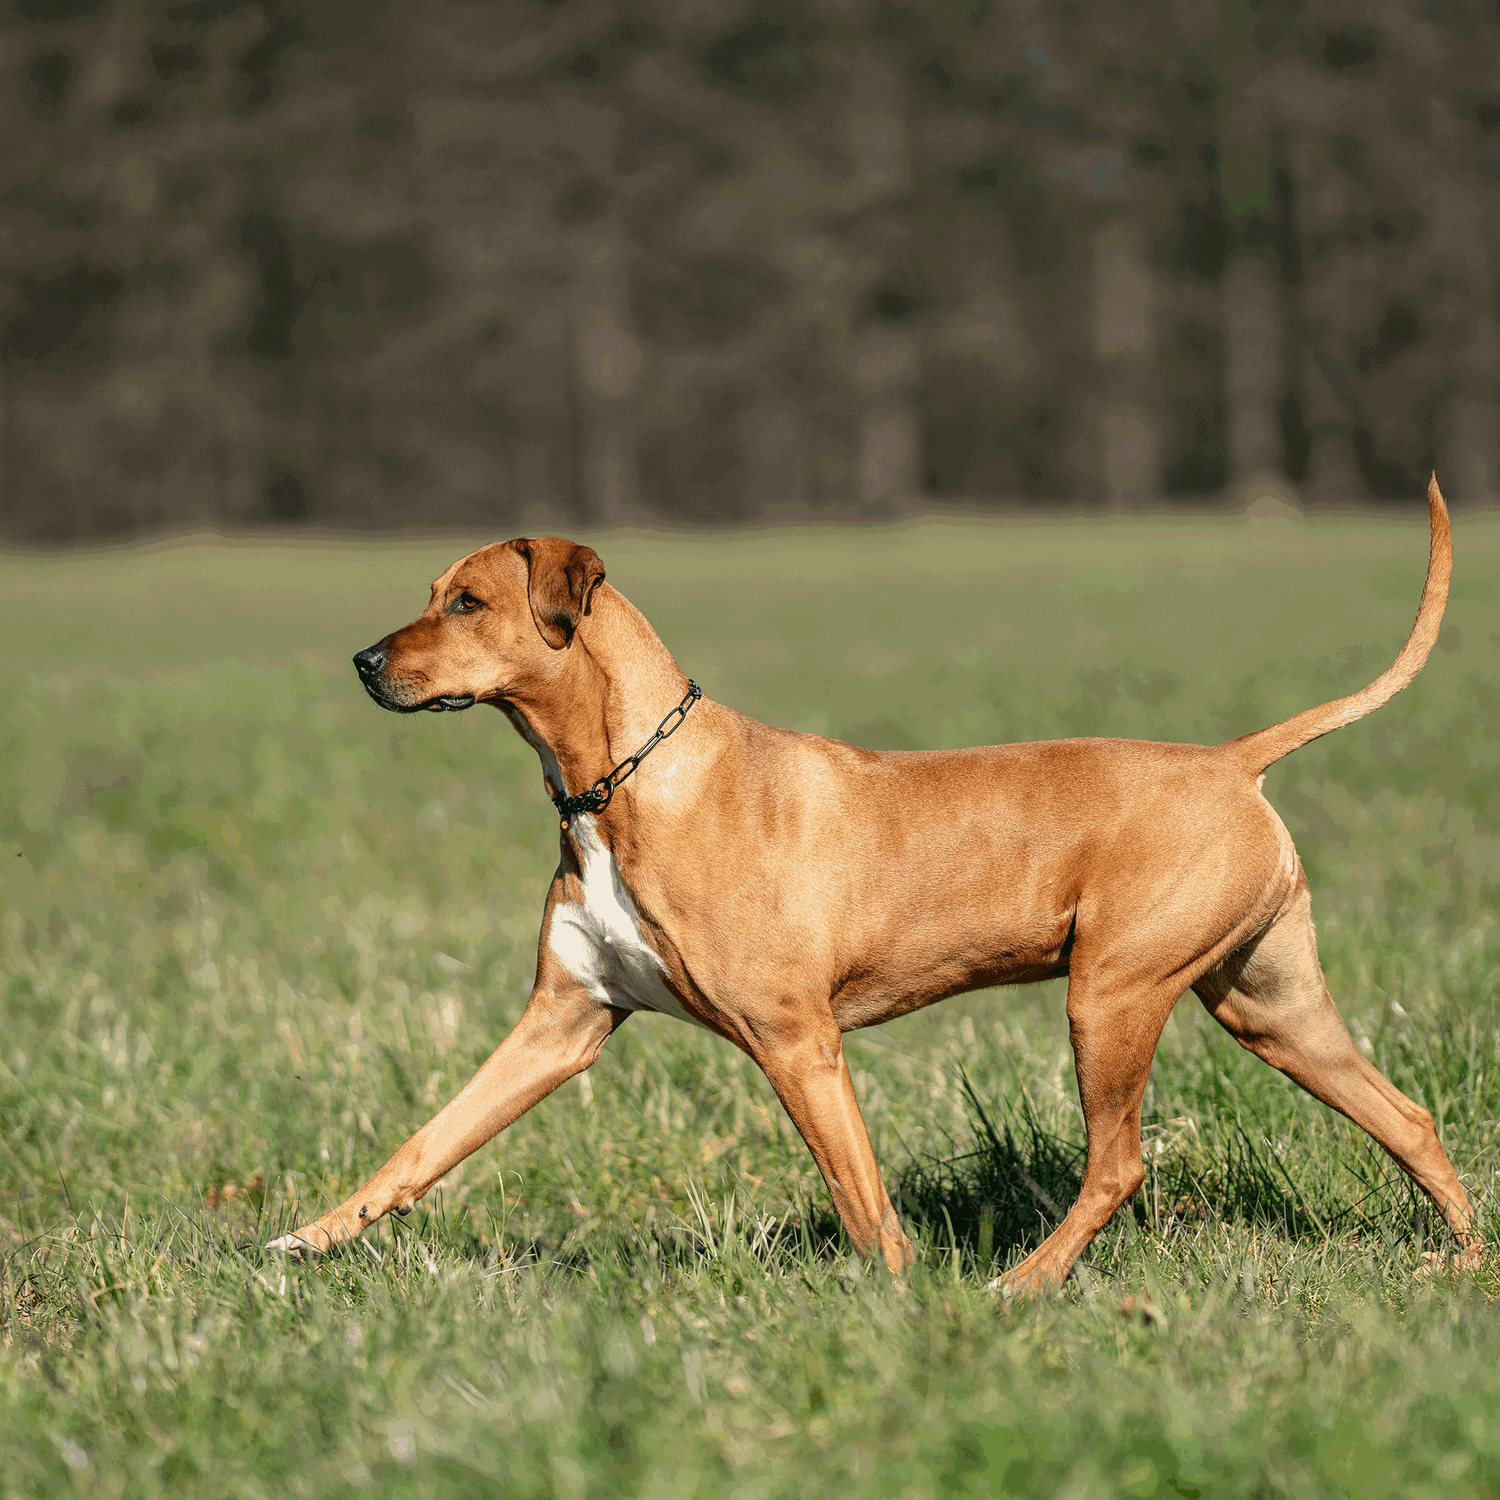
[{"x": 561, "y": 577}]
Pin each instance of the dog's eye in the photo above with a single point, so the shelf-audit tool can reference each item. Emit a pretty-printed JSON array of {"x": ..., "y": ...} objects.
[{"x": 465, "y": 604}]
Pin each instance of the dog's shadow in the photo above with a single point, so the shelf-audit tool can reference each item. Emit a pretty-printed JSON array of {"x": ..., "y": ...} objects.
[{"x": 1013, "y": 1188}]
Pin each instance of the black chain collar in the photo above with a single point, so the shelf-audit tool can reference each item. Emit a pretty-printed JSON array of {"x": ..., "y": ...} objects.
[{"x": 598, "y": 796}]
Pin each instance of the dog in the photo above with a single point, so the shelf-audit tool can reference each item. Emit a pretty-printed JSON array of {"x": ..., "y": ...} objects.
[{"x": 781, "y": 889}]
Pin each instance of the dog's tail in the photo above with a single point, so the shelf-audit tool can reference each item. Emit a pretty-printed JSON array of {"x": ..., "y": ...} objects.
[{"x": 1266, "y": 746}]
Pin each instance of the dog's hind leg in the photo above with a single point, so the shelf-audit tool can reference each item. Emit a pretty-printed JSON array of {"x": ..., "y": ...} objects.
[
  {"x": 1114, "y": 1029},
  {"x": 1271, "y": 997}
]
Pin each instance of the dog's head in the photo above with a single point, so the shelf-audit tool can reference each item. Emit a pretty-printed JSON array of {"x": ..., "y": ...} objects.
[{"x": 495, "y": 622}]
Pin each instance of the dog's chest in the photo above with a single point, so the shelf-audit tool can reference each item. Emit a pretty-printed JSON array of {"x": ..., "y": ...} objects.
[{"x": 599, "y": 940}]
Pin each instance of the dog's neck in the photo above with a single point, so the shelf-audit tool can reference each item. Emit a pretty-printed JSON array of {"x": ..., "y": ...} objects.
[{"x": 605, "y": 697}]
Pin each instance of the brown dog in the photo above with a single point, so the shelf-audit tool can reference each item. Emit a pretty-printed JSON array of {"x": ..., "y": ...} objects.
[{"x": 782, "y": 889}]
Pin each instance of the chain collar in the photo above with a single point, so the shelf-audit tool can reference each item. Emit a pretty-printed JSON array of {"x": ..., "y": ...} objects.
[{"x": 598, "y": 796}]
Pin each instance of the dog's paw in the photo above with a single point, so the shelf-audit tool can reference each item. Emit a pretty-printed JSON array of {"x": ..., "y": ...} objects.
[
  {"x": 1440, "y": 1262},
  {"x": 1471, "y": 1259},
  {"x": 301, "y": 1245},
  {"x": 1013, "y": 1288},
  {"x": 1028, "y": 1281}
]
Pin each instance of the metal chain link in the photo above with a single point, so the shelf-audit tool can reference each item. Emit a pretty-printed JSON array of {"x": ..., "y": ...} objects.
[{"x": 598, "y": 796}]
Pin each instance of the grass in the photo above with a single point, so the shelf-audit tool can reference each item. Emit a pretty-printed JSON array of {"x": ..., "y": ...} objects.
[{"x": 255, "y": 931}]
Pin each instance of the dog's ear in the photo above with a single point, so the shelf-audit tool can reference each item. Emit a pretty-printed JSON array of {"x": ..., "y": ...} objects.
[{"x": 561, "y": 577}]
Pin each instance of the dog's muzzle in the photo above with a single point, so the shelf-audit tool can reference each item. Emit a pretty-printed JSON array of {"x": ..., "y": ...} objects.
[{"x": 371, "y": 663}]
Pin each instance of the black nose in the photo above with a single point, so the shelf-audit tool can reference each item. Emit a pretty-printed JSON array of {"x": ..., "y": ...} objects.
[{"x": 369, "y": 661}]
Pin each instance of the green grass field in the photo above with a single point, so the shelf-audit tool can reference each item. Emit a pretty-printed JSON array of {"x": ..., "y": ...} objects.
[{"x": 256, "y": 930}]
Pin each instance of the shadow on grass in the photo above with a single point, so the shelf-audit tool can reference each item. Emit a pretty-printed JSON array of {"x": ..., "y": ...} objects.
[
  {"x": 1014, "y": 1188},
  {"x": 1008, "y": 1193}
]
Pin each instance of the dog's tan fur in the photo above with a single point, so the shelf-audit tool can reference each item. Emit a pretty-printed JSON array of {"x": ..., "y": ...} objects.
[{"x": 783, "y": 889}]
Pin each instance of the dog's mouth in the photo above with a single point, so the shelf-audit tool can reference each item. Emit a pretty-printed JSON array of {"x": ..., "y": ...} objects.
[{"x": 452, "y": 703}]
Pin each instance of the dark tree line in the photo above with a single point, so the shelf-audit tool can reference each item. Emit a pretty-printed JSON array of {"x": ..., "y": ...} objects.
[{"x": 384, "y": 264}]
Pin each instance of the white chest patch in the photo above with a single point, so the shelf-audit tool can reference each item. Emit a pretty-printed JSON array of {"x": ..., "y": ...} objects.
[{"x": 599, "y": 940}]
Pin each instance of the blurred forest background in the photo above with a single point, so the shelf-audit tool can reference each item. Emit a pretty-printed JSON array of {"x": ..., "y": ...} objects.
[{"x": 513, "y": 264}]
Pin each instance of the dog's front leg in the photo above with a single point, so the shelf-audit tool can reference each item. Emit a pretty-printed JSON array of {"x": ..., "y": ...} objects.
[
  {"x": 559, "y": 1035},
  {"x": 811, "y": 1079}
]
